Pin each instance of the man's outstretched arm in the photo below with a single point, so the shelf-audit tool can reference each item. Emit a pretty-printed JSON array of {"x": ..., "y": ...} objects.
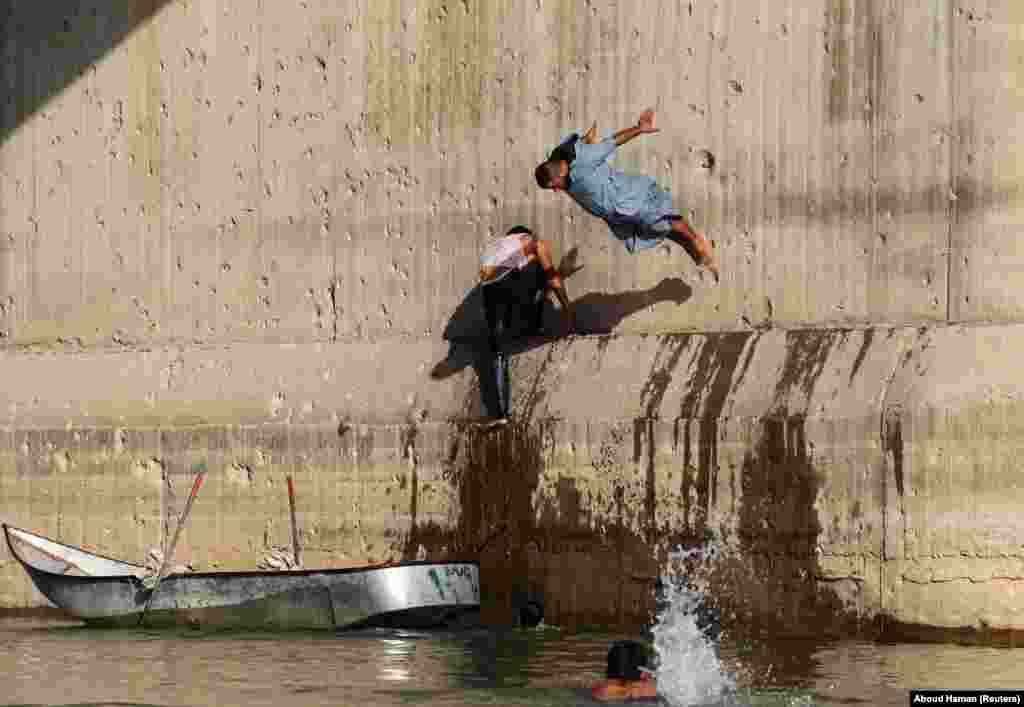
[
  {"x": 543, "y": 251},
  {"x": 644, "y": 125}
]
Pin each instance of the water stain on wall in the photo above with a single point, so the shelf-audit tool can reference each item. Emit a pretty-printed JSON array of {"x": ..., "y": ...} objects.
[
  {"x": 145, "y": 139},
  {"x": 778, "y": 525},
  {"x": 778, "y": 533},
  {"x": 854, "y": 43},
  {"x": 773, "y": 500},
  {"x": 862, "y": 352},
  {"x": 892, "y": 443},
  {"x": 718, "y": 369},
  {"x": 807, "y": 352},
  {"x": 435, "y": 70},
  {"x": 142, "y": 119},
  {"x": 495, "y": 474},
  {"x": 426, "y": 69},
  {"x": 670, "y": 351}
]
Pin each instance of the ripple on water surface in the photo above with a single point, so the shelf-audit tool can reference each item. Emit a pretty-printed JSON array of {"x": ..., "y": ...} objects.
[{"x": 61, "y": 664}]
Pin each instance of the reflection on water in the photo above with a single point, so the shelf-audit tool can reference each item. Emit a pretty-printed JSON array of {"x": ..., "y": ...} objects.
[{"x": 57, "y": 664}]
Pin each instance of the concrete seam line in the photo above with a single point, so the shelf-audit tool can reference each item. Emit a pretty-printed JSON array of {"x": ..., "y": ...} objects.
[{"x": 954, "y": 156}]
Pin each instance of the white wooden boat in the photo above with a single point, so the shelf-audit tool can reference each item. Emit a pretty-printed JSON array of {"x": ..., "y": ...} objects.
[{"x": 100, "y": 590}]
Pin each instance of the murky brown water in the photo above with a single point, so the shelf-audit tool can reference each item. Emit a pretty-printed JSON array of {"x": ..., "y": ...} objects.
[{"x": 57, "y": 664}]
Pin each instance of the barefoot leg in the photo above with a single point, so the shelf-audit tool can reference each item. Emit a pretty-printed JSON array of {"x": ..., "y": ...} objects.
[{"x": 696, "y": 245}]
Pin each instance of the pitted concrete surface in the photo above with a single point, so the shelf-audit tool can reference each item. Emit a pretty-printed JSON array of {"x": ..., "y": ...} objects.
[
  {"x": 247, "y": 232},
  {"x": 246, "y": 170}
]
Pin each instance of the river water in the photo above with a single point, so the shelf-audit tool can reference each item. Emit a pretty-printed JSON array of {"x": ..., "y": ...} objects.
[{"x": 51, "y": 663}]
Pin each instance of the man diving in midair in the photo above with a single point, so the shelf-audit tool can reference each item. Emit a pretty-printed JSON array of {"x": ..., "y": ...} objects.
[{"x": 638, "y": 211}]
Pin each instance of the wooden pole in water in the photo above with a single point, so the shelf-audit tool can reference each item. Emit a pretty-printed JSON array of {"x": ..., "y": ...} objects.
[
  {"x": 295, "y": 525},
  {"x": 200, "y": 475}
]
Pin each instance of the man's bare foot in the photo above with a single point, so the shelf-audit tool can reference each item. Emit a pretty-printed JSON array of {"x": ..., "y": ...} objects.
[
  {"x": 495, "y": 423},
  {"x": 705, "y": 255},
  {"x": 703, "y": 247},
  {"x": 696, "y": 245},
  {"x": 712, "y": 267}
]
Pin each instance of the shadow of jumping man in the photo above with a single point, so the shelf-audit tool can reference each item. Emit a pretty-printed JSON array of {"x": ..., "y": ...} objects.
[
  {"x": 600, "y": 313},
  {"x": 595, "y": 313}
]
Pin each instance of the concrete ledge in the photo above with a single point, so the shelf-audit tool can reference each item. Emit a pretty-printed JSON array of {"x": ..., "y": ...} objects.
[{"x": 714, "y": 375}]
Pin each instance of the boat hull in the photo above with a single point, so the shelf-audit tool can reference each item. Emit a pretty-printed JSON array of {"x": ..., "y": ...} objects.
[{"x": 413, "y": 594}]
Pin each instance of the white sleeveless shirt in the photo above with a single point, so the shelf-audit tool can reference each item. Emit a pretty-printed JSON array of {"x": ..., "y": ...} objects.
[{"x": 505, "y": 254}]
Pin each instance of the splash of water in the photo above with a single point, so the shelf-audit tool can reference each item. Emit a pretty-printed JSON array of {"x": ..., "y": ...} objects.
[{"x": 689, "y": 671}]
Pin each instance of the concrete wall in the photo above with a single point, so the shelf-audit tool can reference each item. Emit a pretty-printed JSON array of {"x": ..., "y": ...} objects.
[
  {"x": 301, "y": 171},
  {"x": 850, "y": 473},
  {"x": 247, "y": 232}
]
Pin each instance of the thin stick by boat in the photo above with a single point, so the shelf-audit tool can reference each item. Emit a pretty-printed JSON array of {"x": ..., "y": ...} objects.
[
  {"x": 295, "y": 526},
  {"x": 200, "y": 475}
]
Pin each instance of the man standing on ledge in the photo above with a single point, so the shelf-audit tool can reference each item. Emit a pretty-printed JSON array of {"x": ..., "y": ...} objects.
[
  {"x": 639, "y": 213},
  {"x": 516, "y": 272}
]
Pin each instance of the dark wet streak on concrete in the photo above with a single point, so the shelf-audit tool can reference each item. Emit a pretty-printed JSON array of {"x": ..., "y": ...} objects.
[
  {"x": 865, "y": 346},
  {"x": 806, "y": 355},
  {"x": 666, "y": 360},
  {"x": 893, "y": 446}
]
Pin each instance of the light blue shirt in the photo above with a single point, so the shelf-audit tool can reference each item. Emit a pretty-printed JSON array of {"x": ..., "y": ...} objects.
[{"x": 616, "y": 197}]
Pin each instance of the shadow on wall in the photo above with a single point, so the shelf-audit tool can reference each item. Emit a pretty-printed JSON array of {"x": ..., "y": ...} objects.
[
  {"x": 595, "y": 313},
  {"x": 468, "y": 323},
  {"x": 47, "y": 46}
]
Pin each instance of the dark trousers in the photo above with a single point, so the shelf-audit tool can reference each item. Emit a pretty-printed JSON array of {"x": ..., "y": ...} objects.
[{"x": 514, "y": 306}]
